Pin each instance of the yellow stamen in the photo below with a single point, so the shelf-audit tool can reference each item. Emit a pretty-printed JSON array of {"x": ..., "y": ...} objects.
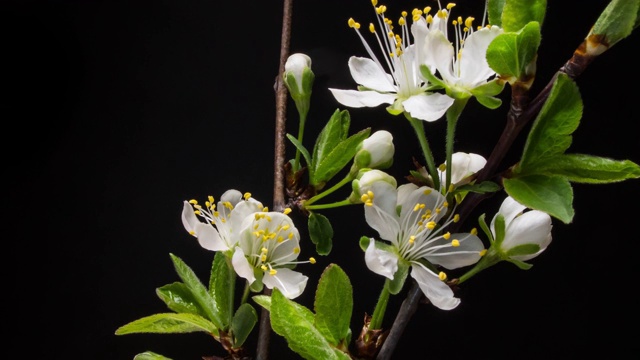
[
  {"x": 469, "y": 21},
  {"x": 296, "y": 250},
  {"x": 287, "y": 211},
  {"x": 431, "y": 225},
  {"x": 263, "y": 258},
  {"x": 353, "y": 24},
  {"x": 456, "y": 218},
  {"x": 474, "y": 231},
  {"x": 273, "y": 272},
  {"x": 247, "y": 195},
  {"x": 193, "y": 202},
  {"x": 483, "y": 252},
  {"x": 312, "y": 260},
  {"x": 427, "y": 191},
  {"x": 450, "y": 6},
  {"x": 264, "y": 267},
  {"x": 455, "y": 243},
  {"x": 442, "y": 276},
  {"x": 412, "y": 239},
  {"x": 446, "y": 236}
]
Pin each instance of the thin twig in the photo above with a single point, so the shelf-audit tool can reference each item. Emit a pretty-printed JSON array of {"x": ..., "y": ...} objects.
[
  {"x": 407, "y": 309},
  {"x": 262, "y": 352}
]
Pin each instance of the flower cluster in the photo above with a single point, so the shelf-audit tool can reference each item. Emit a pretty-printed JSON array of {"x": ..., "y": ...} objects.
[{"x": 263, "y": 244}]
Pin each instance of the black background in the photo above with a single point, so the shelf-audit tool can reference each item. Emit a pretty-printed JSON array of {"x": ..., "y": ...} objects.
[{"x": 117, "y": 111}]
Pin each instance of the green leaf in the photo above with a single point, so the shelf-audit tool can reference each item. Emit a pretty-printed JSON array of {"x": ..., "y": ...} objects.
[
  {"x": 338, "y": 157},
  {"x": 169, "y": 323},
  {"x": 179, "y": 299},
  {"x": 243, "y": 323},
  {"x": 333, "y": 133},
  {"x": 321, "y": 233},
  {"x": 148, "y": 355},
  {"x": 198, "y": 290},
  {"x": 521, "y": 264},
  {"x": 302, "y": 149},
  {"x": 333, "y": 304},
  {"x": 550, "y": 133},
  {"x": 494, "y": 10},
  {"x": 510, "y": 54},
  {"x": 485, "y": 228},
  {"x": 222, "y": 283},
  {"x": 263, "y": 300},
  {"x": 550, "y": 194},
  {"x": 524, "y": 249},
  {"x": 589, "y": 169},
  {"x": 295, "y": 323},
  {"x": 617, "y": 21},
  {"x": 518, "y": 13}
]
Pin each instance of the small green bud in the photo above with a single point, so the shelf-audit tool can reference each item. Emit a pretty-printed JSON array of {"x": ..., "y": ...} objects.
[{"x": 298, "y": 78}]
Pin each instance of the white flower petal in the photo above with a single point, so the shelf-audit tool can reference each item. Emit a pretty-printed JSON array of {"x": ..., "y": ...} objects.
[
  {"x": 210, "y": 239},
  {"x": 467, "y": 253},
  {"x": 510, "y": 208},
  {"x": 290, "y": 283},
  {"x": 189, "y": 218},
  {"x": 474, "y": 68},
  {"x": 370, "y": 75},
  {"x": 532, "y": 227},
  {"x": 438, "y": 292},
  {"x": 358, "y": 99},
  {"x": 440, "y": 52},
  {"x": 384, "y": 223},
  {"x": 379, "y": 261},
  {"x": 464, "y": 165},
  {"x": 241, "y": 265},
  {"x": 427, "y": 107}
]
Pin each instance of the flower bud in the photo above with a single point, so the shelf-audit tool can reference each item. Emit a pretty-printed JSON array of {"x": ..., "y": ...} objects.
[
  {"x": 375, "y": 152},
  {"x": 367, "y": 180},
  {"x": 298, "y": 78}
]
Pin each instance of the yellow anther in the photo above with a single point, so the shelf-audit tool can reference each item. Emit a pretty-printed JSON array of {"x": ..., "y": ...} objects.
[
  {"x": 364, "y": 198},
  {"x": 447, "y": 235},
  {"x": 273, "y": 272},
  {"x": 429, "y": 19},
  {"x": 287, "y": 211},
  {"x": 353, "y": 24},
  {"x": 442, "y": 167},
  {"x": 296, "y": 250},
  {"x": 264, "y": 267},
  {"x": 268, "y": 217},
  {"x": 431, "y": 225},
  {"x": 280, "y": 239},
  {"x": 192, "y": 233},
  {"x": 264, "y": 250},
  {"x": 193, "y": 202},
  {"x": 442, "y": 14},
  {"x": 456, "y": 218},
  {"x": 454, "y": 22},
  {"x": 263, "y": 258},
  {"x": 442, "y": 276},
  {"x": 312, "y": 260},
  {"x": 460, "y": 19},
  {"x": 374, "y": 2},
  {"x": 286, "y": 227},
  {"x": 474, "y": 231},
  {"x": 483, "y": 252},
  {"x": 450, "y": 6},
  {"x": 426, "y": 192},
  {"x": 290, "y": 236},
  {"x": 438, "y": 210},
  {"x": 404, "y": 14},
  {"x": 247, "y": 195},
  {"x": 469, "y": 21},
  {"x": 265, "y": 209},
  {"x": 427, "y": 10},
  {"x": 257, "y": 216},
  {"x": 401, "y": 21},
  {"x": 417, "y": 207},
  {"x": 446, "y": 204},
  {"x": 228, "y": 205},
  {"x": 372, "y": 28},
  {"x": 211, "y": 199},
  {"x": 416, "y": 17},
  {"x": 370, "y": 194},
  {"x": 216, "y": 214},
  {"x": 455, "y": 242},
  {"x": 368, "y": 203},
  {"x": 196, "y": 206},
  {"x": 412, "y": 239},
  {"x": 197, "y": 212}
]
